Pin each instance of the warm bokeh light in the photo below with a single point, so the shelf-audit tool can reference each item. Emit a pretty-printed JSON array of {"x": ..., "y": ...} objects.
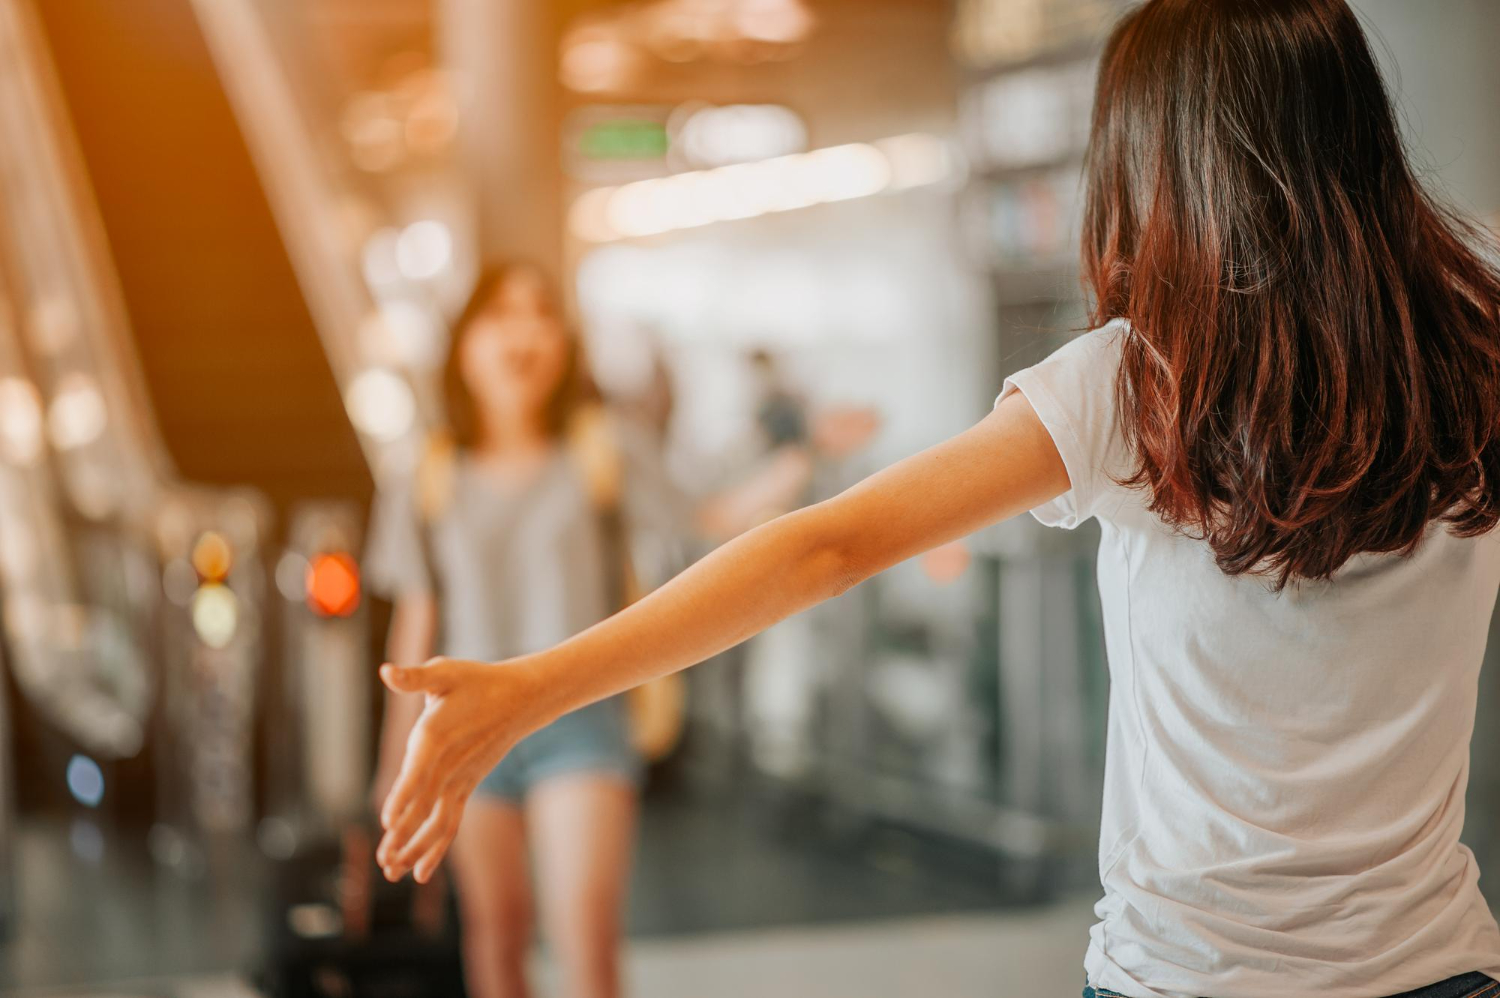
[
  {"x": 20, "y": 421},
  {"x": 595, "y": 59},
  {"x": 709, "y": 136},
  {"x": 380, "y": 403},
  {"x": 403, "y": 333},
  {"x": 77, "y": 415},
  {"x": 782, "y": 22},
  {"x": 212, "y": 557},
  {"x": 424, "y": 250},
  {"x": 612, "y": 52},
  {"x": 215, "y": 614},
  {"x": 54, "y": 324},
  {"x": 332, "y": 585},
  {"x": 747, "y": 190},
  {"x": 947, "y": 564}
]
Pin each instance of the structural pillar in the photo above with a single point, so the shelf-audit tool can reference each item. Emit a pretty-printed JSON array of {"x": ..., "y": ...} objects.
[{"x": 503, "y": 56}]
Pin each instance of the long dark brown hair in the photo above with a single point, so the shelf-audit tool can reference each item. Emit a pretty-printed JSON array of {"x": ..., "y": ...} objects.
[
  {"x": 1312, "y": 363},
  {"x": 574, "y": 390}
]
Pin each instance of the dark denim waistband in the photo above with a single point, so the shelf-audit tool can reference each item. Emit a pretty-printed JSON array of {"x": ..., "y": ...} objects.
[{"x": 1464, "y": 986}]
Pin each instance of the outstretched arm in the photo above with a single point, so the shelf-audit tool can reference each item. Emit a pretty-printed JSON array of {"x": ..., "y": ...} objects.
[{"x": 476, "y": 711}]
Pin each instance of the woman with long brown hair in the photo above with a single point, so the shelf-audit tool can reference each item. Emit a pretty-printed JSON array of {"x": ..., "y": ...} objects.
[{"x": 1287, "y": 422}]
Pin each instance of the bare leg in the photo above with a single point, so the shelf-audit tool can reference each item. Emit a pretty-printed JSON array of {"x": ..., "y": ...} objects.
[
  {"x": 582, "y": 837},
  {"x": 494, "y": 891}
]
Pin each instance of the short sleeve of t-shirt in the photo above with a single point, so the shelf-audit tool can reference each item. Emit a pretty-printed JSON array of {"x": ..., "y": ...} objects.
[
  {"x": 1073, "y": 393},
  {"x": 395, "y": 560}
]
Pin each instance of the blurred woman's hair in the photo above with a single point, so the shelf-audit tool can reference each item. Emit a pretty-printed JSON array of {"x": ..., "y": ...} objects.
[
  {"x": 1312, "y": 367},
  {"x": 575, "y": 389}
]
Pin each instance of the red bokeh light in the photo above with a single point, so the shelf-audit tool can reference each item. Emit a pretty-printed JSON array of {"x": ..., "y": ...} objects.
[{"x": 333, "y": 585}]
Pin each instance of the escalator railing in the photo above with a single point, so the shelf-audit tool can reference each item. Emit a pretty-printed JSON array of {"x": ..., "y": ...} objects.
[
  {"x": 82, "y": 467},
  {"x": 95, "y": 525},
  {"x": 376, "y": 255},
  {"x": 377, "y": 270}
]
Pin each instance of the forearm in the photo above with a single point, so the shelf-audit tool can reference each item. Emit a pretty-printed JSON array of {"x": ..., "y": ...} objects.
[
  {"x": 476, "y": 712},
  {"x": 1002, "y": 466},
  {"x": 743, "y": 587}
]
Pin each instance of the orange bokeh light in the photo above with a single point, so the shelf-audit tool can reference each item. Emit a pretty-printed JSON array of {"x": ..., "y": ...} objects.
[
  {"x": 212, "y": 557},
  {"x": 333, "y": 585}
]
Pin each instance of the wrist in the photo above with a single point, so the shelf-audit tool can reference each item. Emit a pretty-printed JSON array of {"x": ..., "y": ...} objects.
[{"x": 542, "y": 699}]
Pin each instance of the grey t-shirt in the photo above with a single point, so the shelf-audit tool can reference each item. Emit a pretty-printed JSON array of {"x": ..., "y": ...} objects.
[{"x": 521, "y": 568}]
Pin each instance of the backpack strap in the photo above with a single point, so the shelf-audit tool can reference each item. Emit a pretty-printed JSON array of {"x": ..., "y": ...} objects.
[
  {"x": 657, "y": 709},
  {"x": 435, "y": 478},
  {"x": 432, "y": 496},
  {"x": 593, "y": 443}
]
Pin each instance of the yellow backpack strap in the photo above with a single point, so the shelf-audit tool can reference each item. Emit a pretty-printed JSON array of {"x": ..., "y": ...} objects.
[
  {"x": 595, "y": 448},
  {"x": 434, "y": 481},
  {"x": 594, "y": 445},
  {"x": 656, "y": 710}
]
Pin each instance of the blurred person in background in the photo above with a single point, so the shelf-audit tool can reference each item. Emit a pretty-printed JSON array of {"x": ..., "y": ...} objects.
[
  {"x": 517, "y": 531},
  {"x": 785, "y": 667},
  {"x": 503, "y": 543},
  {"x": 1287, "y": 421}
]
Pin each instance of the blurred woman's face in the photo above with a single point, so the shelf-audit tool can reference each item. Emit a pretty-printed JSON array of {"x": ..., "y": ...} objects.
[{"x": 514, "y": 354}]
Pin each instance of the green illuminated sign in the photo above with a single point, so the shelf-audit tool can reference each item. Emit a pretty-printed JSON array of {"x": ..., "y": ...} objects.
[{"x": 624, "y": 139}]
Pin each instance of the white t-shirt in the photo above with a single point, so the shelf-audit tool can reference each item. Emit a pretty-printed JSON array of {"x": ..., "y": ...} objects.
[{"x": 1285, "y": 775}]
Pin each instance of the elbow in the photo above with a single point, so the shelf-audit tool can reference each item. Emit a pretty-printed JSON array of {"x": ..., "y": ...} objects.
[
  {"x": 831, "y": 573},
  {"x": 833, "y": 564},
  {"x": 846, "y": 570}
]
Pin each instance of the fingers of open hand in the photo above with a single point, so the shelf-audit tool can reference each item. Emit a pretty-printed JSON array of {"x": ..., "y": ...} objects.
[
  {"x": 433, "y": 676},
  {"x": 437, "y": 829},
  {"x": 425, "y": 857},
  {"x": 427, "y": 864},
  {"x": 419, "y": 804},
  {"x": 403, "y": 794},
  {"x": 417, "y": 784},
  {"x": 452, "y": 745},
  {"x": 429, "y": 818},
  {"x": 434, "y": 828},
  {"x": 431, "y": 843}
]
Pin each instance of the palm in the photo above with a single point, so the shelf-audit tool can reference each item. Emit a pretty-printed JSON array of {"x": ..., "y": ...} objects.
[{"x": 462, "y": 733}]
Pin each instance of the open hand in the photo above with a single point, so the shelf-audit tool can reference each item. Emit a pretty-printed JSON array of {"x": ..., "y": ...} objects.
[{"x": 475, "y": 713}]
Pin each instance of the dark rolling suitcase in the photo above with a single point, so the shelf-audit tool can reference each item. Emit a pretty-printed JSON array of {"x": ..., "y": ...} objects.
[{"x": 339, "y": 930}]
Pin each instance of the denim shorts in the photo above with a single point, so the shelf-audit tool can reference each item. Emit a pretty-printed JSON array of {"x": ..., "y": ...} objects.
[
  {"x": 1463, "y": 986},
  {"x": 595, "y": 739}
]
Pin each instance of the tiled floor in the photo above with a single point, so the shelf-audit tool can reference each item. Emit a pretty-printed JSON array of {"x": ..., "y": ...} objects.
[
  {"x": 1037, "y": 954},
  {"x": 749, "y": 893}
]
